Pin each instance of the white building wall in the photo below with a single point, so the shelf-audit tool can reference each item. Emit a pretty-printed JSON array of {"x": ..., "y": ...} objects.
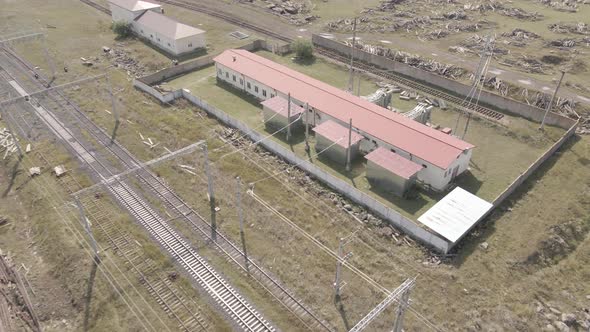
[
  {"x": 190, "y": 43},
  {"x": 430, "y": 174},
  {"x": 155, "y": 38}
]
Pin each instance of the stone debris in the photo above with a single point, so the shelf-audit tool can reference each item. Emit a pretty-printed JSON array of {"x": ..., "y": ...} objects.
[
  {"x": 580, "y": 28},
  {"x": 297, "y": 12},
  {"x": 413, "y": 60},
  {"x": 34, "y": 171},
  {"x": 59, "y": 170},
  {"x": 119, "y": 58},
  {"x": 7, "y": 143},
  {"x": 562, "y": 43},
  {"x": 563, "y": 5},
  {"x": 520, "y": 34}
]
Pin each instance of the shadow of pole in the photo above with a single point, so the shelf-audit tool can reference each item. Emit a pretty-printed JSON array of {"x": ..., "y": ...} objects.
[
  {"x": 13, "y": 175},
  {"x": 88, "y": 297},
  {"x": 340, "y": 307}
]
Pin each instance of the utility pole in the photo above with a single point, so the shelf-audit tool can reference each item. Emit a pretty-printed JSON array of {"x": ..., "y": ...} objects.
[
  {"x": 350, "y": 87},
  {"x": 306, "y": 127},
  {"x": 542, "y": 127},
  {"x": 339, "y": 263},
  {"x": 289, "y": 117},
  {"x": 403, "y": 304},
  {"x": 241, "y": 217},
  {"x": 210, "y": 193},
  {"x": 484, "y": 59},
  {"x": 86, "y": 225},
  {"x": 348, "y": 168},
  {"x": 114, "y": 107}
]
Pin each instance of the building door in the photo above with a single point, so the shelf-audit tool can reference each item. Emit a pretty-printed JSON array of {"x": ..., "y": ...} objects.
[{"x": 454, "y": 174}]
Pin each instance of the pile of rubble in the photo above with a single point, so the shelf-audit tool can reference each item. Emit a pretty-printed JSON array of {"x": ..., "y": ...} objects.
[
  {"x": 476, "y": 44},
  {"x": 484, "y": 6},
  {"x": 530, "y": 65},
  {"x": 520, "y": 14},
  {"x": 414, "y": 60},
  {"x": 388, "y": 5},
  {"x": 580, "y": 28},
  {"x": 297, "y": 12},
  {"x": 520, "y": 34},
  {"x": 563, "y": 5},
  {"x": 497, "y": 84},
  {"x": 562, "y": 43},
  {"x": 121, "y": 59},
  {"x": 7, "y": 143}
]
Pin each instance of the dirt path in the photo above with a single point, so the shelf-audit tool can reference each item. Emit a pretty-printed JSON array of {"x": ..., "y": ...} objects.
[{"x": 266, "y": 20}]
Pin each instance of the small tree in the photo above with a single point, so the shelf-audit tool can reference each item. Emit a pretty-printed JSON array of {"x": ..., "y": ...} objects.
[
  {"x": 121, "y": 29},
  {"x": 303, "y": 49}
]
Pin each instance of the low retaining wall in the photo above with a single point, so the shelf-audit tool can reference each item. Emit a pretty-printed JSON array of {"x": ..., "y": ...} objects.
[
  {"x": 453, "y": 87},
  {"x": 192, "y": 65}
]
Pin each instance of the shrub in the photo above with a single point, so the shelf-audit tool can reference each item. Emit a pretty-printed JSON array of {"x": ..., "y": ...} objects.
[
  {"x": 303, "y": 49},
  {"x": 121, "y": 29}
]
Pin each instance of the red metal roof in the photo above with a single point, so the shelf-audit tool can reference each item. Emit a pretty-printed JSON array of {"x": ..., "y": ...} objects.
[
  {"x": 279, "y": 105},
  {"x": 337, "y": 133},
  {"x": 394, "y": 163},
  {"x": 405, "y": 134}
]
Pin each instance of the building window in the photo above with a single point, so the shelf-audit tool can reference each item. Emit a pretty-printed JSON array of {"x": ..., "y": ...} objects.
[
  {"x": 272, "y": 95},
  {"x": 255, "y": 88},
  {"x": 168, "y": 44},
  {"x": 248, "y": 85},
  {"x": 234, "y": 77},
  {"x": 141, "y": 30},
  {"x": 226, "y": 75},
  {"x": 241, "y": 81},
  {"x": 392, "y": 150},
  {"x": 220, "y": 72},
  {"x": 264, "y": 92},
  {"x": 190, "y": 45},
  {"x": 152, "y": 36},
  {"x": 158, "y": 39},
  {"x": 424, "y": 166}
]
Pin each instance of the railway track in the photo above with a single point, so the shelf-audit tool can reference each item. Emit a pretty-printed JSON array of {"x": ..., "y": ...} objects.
[
  {"x": 224, "y": 294},
  {"x": 97, "y": 6},
  {"x": 228, "y": 18}
]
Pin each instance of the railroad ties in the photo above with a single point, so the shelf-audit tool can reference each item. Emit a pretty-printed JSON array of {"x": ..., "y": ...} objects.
[
  {"x": 226, "y": 296},
  {"x": 180, "y": 209}
]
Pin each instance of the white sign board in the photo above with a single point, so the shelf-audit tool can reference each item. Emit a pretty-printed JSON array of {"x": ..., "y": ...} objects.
[{"x": 455, "y": 214}]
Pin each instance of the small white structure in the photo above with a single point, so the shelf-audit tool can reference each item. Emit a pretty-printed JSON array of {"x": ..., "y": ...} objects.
[
  {"x": 455, "y": 214},
  {"x": 148, "y": 22},
  {"x": 128, "y": 10}
]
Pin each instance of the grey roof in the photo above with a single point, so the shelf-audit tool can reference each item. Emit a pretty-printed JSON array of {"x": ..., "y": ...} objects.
[
  {"x": 167, "y": 26},
  {"x": 134, "y": 5}
]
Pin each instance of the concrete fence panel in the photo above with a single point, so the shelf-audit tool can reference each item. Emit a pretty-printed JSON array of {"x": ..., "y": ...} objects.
[{"x": 453, "y": 87}]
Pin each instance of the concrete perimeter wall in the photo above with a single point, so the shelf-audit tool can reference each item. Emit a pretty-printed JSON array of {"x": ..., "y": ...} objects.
[
  {"x": 395, "y": 218},
  {"x": 526, "y": 174},
  {"x": 189, "y": 66},
  {"x": 490, "y": 99}
]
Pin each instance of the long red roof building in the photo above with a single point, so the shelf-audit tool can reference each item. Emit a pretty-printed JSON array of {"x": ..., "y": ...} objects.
[{"x": 413, "y": 137}]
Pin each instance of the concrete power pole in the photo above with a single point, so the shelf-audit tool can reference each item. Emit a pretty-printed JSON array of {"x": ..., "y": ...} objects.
[
  {"x": 289, "y": 117},
  {"x": 404, "y": 302},
  {"x": 551, "y": 101},
  {"x": 339, "y": 263},
  {"x": 306, "y": 127},
  {"x": 350, "y": 87},
  {"x": 114, "y": 107},
  {"x": 241, "y": 217},
  {"x": 348, "y": 166},
  {"x": 210, "y": 193}
]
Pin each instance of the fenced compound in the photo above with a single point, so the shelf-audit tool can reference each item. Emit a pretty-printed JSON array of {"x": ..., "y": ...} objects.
[{"x": 399, "y": 221}]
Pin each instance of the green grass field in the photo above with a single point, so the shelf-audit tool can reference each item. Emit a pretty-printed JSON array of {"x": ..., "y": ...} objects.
[{"x": 490, "y": 172}]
